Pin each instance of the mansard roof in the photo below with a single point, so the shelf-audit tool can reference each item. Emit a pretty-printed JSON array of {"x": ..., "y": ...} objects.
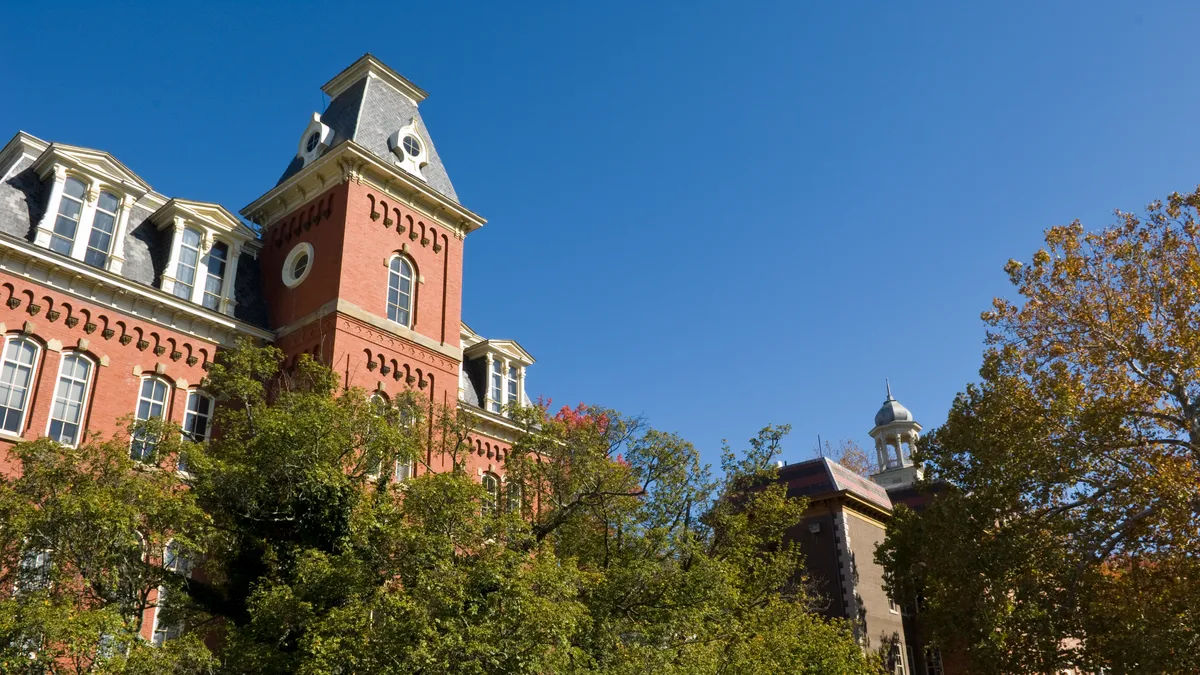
[
  {"x": 822, "y": 477},
  {"x": 26, "y": 168},
  {"x": 370, "y": 102}
]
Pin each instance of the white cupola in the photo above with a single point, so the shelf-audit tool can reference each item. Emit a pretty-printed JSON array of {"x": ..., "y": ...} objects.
[{"x": 896, "y": 434}]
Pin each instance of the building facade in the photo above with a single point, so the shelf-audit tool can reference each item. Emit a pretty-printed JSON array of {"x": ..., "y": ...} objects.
[{"x": 846, "y": 520}]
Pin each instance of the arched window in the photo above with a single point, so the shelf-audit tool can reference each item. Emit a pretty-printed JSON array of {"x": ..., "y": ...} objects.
[
  {"x": 16, "y": 375},
  {"x": 70, "y": 398},
  {"x": 400, "y": 291},
  {"x": 189, "y": 260},
  {"x": 514, "y": 493},
  {"x": 491, "y": 488},
  {"x": 152, "y": 404},
  {"x": 104, "y": 224},
  {"x": 67, "y": 223}
]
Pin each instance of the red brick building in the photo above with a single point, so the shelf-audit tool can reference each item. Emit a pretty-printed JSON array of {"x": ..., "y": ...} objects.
[{"x": 114, "y": 298}]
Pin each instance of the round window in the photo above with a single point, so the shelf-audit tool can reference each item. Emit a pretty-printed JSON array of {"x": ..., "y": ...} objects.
[
  {"x": 300, "y": 265},
  {"x": 313, "y": 140},
  {"x": 297, "y": 265},
  {"x": 411, "y": 145}
]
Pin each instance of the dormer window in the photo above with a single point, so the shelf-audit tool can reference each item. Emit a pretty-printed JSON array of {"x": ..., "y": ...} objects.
[
  {"x": 205, "y": 248},
  {"x": 90, "y": 198},
  {"x": 410, "y": 154},
  {"x": 216, "y": 259},
  {"x": 314, "y": 140},
  {"x": 189, "y": 259},
  {"x": 412, "y": 147},
  {"x": 70, "y": 211},
  {"x": 104, "y": 225}
]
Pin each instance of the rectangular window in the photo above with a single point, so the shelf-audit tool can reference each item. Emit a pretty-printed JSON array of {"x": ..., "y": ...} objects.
[
  {"x": 16, "y": 373},
  {"x": 70, "y": 396},
  {"x": 34, "y": 573},
  {"x": 152, "y": 404},
  {"x": 198, "y": 416},
  {"x": 62, "y": 238},
  {"x": 104, "y": 223},
  {"x": 514, "y": 394},
  {"x": 215, "y": 277},
  {"x": 497, "y": 388},
  {"x": 189, "y": 257},
  {"x": 164, "y": 631},
  {"x": 933, "y": 661},
  {"x": 404, "y": 470}
]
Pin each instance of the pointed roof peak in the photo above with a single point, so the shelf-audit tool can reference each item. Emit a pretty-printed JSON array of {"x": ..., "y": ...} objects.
[
  {"x": 889, "y": 389},
  {"x": 368, "y": 66}
]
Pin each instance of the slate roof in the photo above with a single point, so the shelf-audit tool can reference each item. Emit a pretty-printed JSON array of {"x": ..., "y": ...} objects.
[
  {"x": 823, "y": 476},
  {"x": 368, "y": 112},
  {"x": 23, "y": 197}
]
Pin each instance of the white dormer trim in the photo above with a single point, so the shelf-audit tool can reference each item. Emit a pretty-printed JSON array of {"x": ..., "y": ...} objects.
[
  {"x": 324, "y": 139},
  {"x": 400, "y": 151},
  {"x": 99, "y": 172},
  {"x": 214, "y": 224}
]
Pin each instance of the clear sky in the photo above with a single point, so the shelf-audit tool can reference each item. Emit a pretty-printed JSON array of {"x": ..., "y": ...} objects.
[{"x": 718, "y": 215}]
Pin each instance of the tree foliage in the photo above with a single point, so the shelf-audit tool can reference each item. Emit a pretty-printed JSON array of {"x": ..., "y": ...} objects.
[
  {"x": 610, "y": 550},
  {"x": 1068, "y": 530}
]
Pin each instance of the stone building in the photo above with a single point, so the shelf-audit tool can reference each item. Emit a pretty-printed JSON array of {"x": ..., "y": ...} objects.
[
  {"x": 115, "y": 297},
  {"x": 845, "y": 521}
]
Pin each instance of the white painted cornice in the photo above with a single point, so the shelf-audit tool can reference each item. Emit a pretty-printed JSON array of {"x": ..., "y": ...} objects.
[
  {"x": 73, "y": 277},
  {"x": 510, "y": 348},
  {"x": 96, "y": 163},
  {"x": 207, "y": 214},
  {"x": 350, "y": 161},
  {"x": 369, "y": 66}
]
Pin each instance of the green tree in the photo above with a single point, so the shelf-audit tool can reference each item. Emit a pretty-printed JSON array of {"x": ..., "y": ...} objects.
[
  {"x": 1066, "y": 533},
  {"x": 609, "y": 549}
]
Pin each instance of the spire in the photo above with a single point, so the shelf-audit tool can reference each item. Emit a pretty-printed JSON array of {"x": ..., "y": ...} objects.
[{"x": 889, "y": 389}]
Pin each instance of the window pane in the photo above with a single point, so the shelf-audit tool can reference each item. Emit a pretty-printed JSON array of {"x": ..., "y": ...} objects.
[
  {"x": 66, "y": 413},
  {"x": 74, "y": 188},
  {"x": 16, "y": 373},
  {"x": 151, "y": 404},
  {"x": 108, "y": 202},
  {"x": 399, "y": 291}
]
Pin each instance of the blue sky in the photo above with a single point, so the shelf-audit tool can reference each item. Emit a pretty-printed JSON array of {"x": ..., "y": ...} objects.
[{"x": 718, "y": 215}]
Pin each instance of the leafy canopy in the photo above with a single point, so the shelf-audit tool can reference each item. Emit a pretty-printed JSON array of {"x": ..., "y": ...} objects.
[
  {"x": 612, "y": 549},
  {"x": 1067, "y": 533}
]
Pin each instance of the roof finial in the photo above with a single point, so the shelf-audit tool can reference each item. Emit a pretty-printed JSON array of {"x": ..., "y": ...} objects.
[{"x": 889, "y": 388}]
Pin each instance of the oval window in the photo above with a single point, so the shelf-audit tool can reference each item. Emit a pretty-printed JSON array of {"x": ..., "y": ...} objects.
[
  {"x": 297, "y": 265},
  {"x": 313, "y": 140},
  {"x": 412, "y": 146}
]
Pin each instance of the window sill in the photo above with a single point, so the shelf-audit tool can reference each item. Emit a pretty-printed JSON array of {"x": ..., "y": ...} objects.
[{"x": 11, "y": 436}]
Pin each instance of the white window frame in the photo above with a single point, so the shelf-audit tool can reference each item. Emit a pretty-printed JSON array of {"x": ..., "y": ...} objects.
[
  {"x": 188, "y": 413},
  {"x": 79, "y": 220},
  {"x": 207, "y": 262},
  {"x": 513, "y": 502},
  {"x": 112, "y": 236},
  {"x": 492, "y": 495},
  {"x": 183, "y": 565},
  {"x": 166, "y": 415},
  {"x": 29, "y": 385},
  {"x": 496, "y": 387},
  {"x": 398, "y": 275},
  {"x": 93, "y": 188},
  {"x": 42, "y": 564},
  {"x": 83, "y": 402},
  {"x": 512, "y": 389},
  {"x": 198, "y": 289},
  {"x": 180, "y": 246}
]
